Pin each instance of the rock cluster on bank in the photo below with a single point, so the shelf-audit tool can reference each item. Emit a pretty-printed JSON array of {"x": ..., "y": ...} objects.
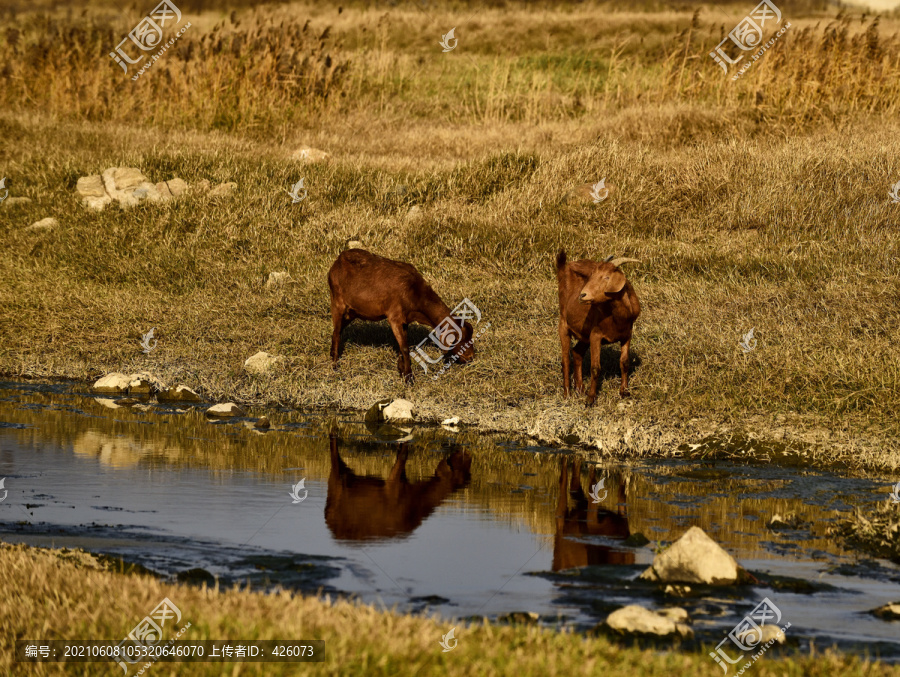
[{"x": 128, "y": 186}]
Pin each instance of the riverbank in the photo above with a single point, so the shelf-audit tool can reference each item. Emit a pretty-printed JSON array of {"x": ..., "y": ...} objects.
[
  {"x": 751, "y": 205},
  {"x": 72, "y": 595}
]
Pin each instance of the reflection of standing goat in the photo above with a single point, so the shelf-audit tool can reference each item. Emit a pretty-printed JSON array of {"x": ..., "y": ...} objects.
[
  {"x": 596, "y": 305},
  {"x": 370, "y": 287},
  {"x": 586, "y": 519},
  {"x": 359, "y": 507}
]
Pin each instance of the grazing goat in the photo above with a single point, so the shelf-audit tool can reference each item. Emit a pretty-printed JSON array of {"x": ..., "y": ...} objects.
[
  {"x": 596, "y": 305},
  {"x": 361, "y": 507},
  {"x": 370, "y": 287}
]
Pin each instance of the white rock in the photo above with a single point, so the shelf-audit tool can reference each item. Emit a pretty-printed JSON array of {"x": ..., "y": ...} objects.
[
  {"x": 128, "y": 186},
  {"x": 225, "y": 410},
  {"x": 354, "y": 244},
  {"x": 10, "y": 201},
  {"x": 398, "y": 410},
  {"x": 307, "y": 154},
  {"x": 107, "y": 402},
  {"x": 693, "y": 558},
  {"x": 116, "y": 382},
  {"x": 454, "y": 420},
  {"x": 769, "y": 632},
  {"x": 144, "y": 382},
  {"x": 888, "y": 611},
  {"x": 635, "y": 619},
  {"x": 262, "y": 363},
  {"x": 93, "y": 192},
  {"x": 178, "y": 394},
  {"x": 277, "y": 280},
  {"x": 171, "y": 189},
  {"x": 223, "y": 189},
  {"x": 43, "y": 225}
]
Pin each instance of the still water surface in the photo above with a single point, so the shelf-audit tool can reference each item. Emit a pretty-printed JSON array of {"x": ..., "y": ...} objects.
[{"x": 458, "y": 524}]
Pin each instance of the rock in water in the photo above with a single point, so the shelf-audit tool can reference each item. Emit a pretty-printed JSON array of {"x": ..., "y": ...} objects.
[
  {"x": 225, "y": 410},
  {"x": 116, "y": 382},
  {"x": 178, "y": 394},
  {"x": 694, "y": 558},
  {"x": 636, "y": 620},
  {"x": 398, "y": 410}
]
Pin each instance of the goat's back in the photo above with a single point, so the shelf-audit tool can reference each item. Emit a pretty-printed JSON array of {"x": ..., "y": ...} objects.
[{"x": 359, "y": 274}]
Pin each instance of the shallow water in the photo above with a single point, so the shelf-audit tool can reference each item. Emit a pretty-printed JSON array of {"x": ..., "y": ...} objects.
[{"x": 458, "y": 524}]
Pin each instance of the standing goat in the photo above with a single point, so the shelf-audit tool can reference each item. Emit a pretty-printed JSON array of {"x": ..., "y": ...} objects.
[
  {"x": 370, "y": 287},
  {"x": 596, "y": 305}
]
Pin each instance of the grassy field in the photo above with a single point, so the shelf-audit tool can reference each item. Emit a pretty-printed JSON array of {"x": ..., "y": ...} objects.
[
  {"x": 758, "y": 203},
  {"x": 71, "y": 595},
  {"x": 761, "y": 203}
]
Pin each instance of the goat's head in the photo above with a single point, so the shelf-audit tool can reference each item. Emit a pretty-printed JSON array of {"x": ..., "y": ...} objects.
[
  {"x": 464, "y": 351},
  {"x": 606, "y": 282},
  {"x": 454, "y": 337}
]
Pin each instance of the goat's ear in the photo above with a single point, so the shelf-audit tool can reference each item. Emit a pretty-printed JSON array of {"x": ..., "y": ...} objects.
[
  {"x": 582, "y": 268},
  {"x": 616, "y": 282}
]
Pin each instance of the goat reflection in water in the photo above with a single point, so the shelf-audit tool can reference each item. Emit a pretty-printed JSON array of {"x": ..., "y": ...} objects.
[
  {"x": 586, "y": 518},
  {"x": 361, "y": 507}
]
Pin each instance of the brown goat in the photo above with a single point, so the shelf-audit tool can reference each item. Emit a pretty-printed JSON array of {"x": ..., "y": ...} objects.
[
  {"x": 597, "y": 305},
  {"x": 370, "y": 287},
  {"x": 360, "y": 507},
  {"x": 587, "y": 519}
]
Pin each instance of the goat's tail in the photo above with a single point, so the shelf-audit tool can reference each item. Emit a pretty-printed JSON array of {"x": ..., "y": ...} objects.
[{"x": 560, "y": 260}]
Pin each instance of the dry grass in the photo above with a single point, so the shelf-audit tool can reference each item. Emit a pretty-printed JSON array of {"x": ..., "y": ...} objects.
[
  {"x": 69, "y": 595},
  {"x": 757, "y": 203}
]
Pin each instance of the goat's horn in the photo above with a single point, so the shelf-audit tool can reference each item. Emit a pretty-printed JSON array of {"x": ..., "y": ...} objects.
[
  {"x": 608, "y": 258},
  {"x": 619, "y": 262}
]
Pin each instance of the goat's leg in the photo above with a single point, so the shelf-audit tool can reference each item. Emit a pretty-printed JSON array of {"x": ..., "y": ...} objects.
[
  {"x": 339, "y": 321},
  {"x": 596, "y": 342},
  {"x": 566, "y": 346},
  {"x": 624, "y": 364},
  {"x": 404, "y": 362},
  {"x": 578, "y": 352}
]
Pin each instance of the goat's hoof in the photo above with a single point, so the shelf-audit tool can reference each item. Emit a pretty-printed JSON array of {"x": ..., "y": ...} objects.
[
  {"x": 624, "y": 393},
  {"x": 590, "y": 402}
]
